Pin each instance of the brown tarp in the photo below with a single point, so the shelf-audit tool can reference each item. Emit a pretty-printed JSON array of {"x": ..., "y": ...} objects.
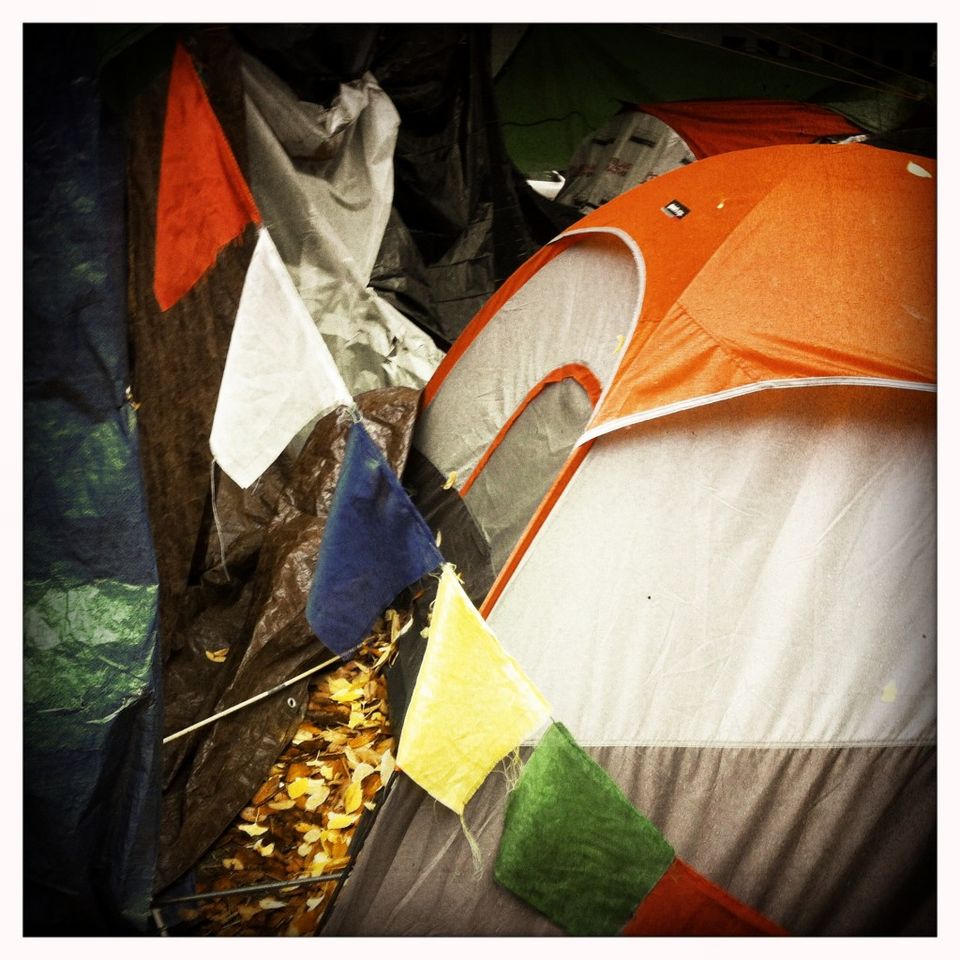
[
  {"x": 248, "y": 595},
  {"x": 217, "y": 769}
]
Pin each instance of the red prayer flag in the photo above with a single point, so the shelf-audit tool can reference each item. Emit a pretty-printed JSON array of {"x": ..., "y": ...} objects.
[
  {"x": 684, "y": 903},
  {"x": 203, "y": 201}
]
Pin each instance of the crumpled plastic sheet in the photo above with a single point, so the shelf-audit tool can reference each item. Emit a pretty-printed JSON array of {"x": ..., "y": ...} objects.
[
  {"x": 323, "y": 177},
  {"x": 471, "y": 215},
  {"x": 271, "y": 552}
]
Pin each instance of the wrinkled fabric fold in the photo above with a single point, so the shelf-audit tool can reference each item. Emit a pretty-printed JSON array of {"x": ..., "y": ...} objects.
[{"x": 323, "y": 176}]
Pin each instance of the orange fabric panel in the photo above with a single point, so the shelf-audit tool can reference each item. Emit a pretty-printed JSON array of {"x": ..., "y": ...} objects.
[
  {"x": 203, "y": 200},
  {"x": 573, "y": 371},
  {"x": 684, "y": 903},
  {"x": 709, "y": 127},
  {"x": 793, "y": 262}
]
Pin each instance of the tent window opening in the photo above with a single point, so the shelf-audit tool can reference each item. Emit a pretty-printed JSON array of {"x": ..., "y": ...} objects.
[{"x": 518, "y": 467}]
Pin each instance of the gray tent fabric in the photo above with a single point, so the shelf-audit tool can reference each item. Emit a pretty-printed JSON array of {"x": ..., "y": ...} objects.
[{"x": 415, "y": 875}]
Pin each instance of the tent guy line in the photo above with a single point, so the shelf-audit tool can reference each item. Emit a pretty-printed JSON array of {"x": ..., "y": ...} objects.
[
  {"x": 796, "y": 69},
  {"x": 251, "y": 700},
  {"x": 852, "y": 53},
  {"x": 883, "y": 84}
]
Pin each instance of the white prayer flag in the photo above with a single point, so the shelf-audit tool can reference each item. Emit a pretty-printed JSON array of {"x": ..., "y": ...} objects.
[{"x": 279, "y": 373}]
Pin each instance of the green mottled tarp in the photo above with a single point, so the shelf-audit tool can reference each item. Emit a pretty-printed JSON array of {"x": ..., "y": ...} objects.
[
  {"x": 90, "y": 670},
  {"x": 573, "y": 846}
]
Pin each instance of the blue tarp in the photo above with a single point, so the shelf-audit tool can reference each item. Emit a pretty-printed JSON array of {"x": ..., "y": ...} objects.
[{"x": 90, "y": 671}]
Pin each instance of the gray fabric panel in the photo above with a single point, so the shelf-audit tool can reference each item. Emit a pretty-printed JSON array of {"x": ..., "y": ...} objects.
[
  {"x": 518, "y": 474},
  {"x": 415, "y": 875},
  {"x": 826, "y": 841}
]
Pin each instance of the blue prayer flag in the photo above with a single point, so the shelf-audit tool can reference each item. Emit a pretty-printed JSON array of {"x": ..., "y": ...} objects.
[{"x": 375, "y": 543}]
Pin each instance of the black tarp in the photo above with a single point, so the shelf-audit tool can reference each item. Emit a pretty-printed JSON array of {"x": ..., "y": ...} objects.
[
  {"x": 465, "y": 218},
  {"x": 90, "y": 672}
]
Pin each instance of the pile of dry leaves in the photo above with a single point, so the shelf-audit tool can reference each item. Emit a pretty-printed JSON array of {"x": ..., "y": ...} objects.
[{"x": 301, "y": 821}]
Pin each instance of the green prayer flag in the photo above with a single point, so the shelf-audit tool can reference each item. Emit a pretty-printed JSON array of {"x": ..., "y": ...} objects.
[{"x": 573, "y": 845}]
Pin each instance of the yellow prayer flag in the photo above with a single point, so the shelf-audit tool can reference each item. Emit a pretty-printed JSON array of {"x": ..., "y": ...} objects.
[{"x": 472, "y": 703}]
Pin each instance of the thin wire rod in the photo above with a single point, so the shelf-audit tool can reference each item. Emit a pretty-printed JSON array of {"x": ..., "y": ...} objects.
[
  {"x": 253, "y": 888},
  {"x": 813, "y": 56},
  {"x": 853, "y": 53},
  {"x": 254, "y": 699},
  {"x": 783, "y": 65}
]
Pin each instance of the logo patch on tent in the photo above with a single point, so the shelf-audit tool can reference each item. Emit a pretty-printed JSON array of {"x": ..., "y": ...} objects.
[{"x": 675, "y": 209}]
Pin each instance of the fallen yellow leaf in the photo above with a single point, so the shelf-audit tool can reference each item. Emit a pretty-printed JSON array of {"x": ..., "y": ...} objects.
[
  {"x": 346, "y": 696},
  {"x": 232, "y": 863},
  {"x": 248, "y": 910},
  {"x": 313, "y": 835},
  {"x": 304, "y": 849},
  {"x": 252, "y": 829},
  {"x": 268, "y": 903},
  {"x": 217, "y": 656},
  {"x": 352, "y": 797},
  {"x": 451, "y": 480},
  {"x": 314, "y": 902},
  {"x": 337, "y": 821},
  {"x": 306, "y": 731},
  {"x": 281, "y": 804},
  {"x": 303, "y": 827},
  {"x": 387, "y": 766},
  {"x": 297, "y": 788},
  {"x": 266, "y": 851},
  {"x": 315, "y": 799},
  {"x": 326, "y": 771},
  {"x": 370, "y": 805},
  {"x": 363, "y": 770}
]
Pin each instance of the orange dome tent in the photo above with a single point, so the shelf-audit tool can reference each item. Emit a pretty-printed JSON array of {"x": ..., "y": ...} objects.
[{"x": 690, "y": 456}]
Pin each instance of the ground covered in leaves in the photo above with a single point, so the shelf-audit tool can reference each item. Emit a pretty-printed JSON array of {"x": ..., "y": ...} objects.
[{"x": 302, "y": 820}]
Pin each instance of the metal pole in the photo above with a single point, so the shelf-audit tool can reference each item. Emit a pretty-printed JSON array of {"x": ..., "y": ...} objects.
[
  {"x": 254, "y": 888},
  {"x": 259, "y": 696}
]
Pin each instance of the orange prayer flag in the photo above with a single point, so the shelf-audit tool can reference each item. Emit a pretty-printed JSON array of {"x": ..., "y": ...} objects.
[
  {"x": 686, "y": 904},
  {"x": 203, "y": 200}
]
